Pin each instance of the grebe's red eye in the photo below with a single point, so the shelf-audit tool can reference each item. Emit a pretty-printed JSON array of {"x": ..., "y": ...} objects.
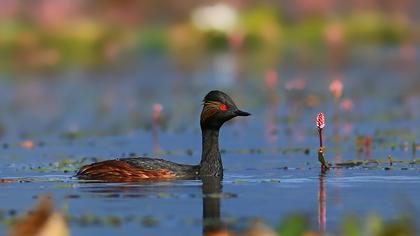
[{"x": 223, "y": 107}]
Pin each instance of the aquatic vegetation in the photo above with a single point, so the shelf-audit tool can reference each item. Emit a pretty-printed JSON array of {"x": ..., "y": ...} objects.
[
  {"x": 150, "y": 221},
  {"x": 378, "y": 162},
  {"x": 89, "y": 220},
  {"x": 65, "y": 166}
]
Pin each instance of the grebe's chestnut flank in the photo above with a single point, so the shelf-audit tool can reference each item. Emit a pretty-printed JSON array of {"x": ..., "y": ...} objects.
[{"x": 218, "y": 108}]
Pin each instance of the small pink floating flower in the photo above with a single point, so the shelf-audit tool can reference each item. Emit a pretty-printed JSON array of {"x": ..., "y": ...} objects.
[{"x": 320, "y": 120}]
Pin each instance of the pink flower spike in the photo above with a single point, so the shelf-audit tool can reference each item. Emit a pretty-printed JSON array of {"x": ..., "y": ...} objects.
[{"x": 320, "y": 120}]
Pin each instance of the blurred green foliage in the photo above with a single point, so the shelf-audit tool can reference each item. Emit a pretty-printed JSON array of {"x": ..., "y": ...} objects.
[
  {"x": 375, "y": 28},
  {"x": 27, "y": 45},
  {"x": 352, "y": 225},
  {"x": 293, "y": 225}
]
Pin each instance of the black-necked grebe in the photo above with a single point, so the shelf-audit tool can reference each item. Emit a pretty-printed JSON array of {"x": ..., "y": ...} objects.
[{"x": 218, "y": 108}]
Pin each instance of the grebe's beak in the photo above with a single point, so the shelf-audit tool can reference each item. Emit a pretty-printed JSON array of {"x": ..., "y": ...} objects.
[{"x": 241, "y": 113}]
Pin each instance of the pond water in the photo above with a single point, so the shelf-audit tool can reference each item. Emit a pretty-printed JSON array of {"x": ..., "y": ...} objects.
[{"x": 51, "y": 124}]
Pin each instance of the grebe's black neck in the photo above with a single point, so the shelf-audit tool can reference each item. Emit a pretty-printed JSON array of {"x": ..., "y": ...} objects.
[
  {"x": 211, "y": 161},
  {"x": 218, "y": 108}
]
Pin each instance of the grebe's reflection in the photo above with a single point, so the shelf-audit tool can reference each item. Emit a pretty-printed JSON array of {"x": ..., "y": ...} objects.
[
  {"x": 212, "y": 223},
  {"x": 211, "y": 195}
]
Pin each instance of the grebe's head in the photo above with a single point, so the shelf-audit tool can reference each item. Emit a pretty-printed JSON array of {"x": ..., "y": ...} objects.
[{"x": 218, "y": 108}]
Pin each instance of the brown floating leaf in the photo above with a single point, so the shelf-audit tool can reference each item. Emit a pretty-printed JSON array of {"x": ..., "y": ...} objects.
[{"x": 27, "y": 144}]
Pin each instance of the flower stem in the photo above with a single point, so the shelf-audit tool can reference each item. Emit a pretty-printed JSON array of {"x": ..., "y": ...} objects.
[{"x": 320, "y": 137}]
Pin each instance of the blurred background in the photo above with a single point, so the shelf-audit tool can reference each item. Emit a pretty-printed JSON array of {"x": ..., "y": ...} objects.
[{"x": 111, "y": 60}]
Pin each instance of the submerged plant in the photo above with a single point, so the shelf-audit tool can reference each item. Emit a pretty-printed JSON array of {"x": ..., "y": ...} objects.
[{"x": 320, "y": 124}]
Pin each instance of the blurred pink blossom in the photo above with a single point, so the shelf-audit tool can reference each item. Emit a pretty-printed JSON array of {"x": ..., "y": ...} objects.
[
  {"x": 334, "y": 34},
  {"x": 55, "y": 14},
  {"x": 236, "y": 40},
  {"x": 347, "y": 128},
  {"x": 271, "y": 78},
  {"x": 297, "y": 84},
  {"x": 9, "y": 8},
  {"x": 336, "y": 88},
  {"x": 346, "y": 104},
  {"x": 156, "y": 111}
]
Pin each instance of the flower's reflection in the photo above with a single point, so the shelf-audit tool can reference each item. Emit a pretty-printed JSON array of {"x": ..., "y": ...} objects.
[{"x": 322, "y": 206}]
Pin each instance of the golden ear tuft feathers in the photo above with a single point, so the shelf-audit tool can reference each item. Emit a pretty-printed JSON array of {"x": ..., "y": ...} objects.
[{"x": 209, "y": 109}]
